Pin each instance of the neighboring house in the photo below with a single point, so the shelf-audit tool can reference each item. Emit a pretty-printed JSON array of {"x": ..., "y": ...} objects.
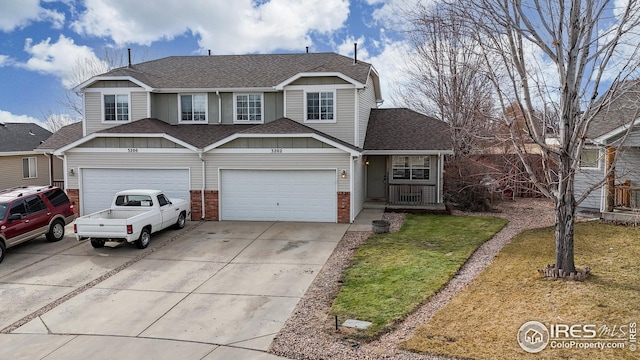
[
  {"x": 20, "y": 164},
  {"x": 606, "y": 134},
  {"x": 291, "y": 137}
]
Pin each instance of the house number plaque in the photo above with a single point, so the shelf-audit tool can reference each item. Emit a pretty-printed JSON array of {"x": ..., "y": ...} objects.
[{"x": 276, "y": 151}]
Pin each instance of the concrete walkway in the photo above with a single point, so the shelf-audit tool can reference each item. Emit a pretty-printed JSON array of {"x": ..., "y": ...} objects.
[
  {"x": 364, "y": 219},
  {"x": 215, "y": 290}
]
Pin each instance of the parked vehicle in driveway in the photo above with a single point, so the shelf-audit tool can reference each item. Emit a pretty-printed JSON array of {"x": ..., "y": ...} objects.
[
  {"x": 133, "y": 216},
  {"x": 27, "y": 212}
]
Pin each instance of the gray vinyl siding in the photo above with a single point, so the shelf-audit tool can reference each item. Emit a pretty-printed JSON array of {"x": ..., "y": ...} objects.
[
  {"x": 114, "y": 84},
  {"x": 628, "y": 168},
  {"x": 93, "y": 112},
  {"x": 128, "y": 142},
  {"x": 227, "y": 108},
  {"x": 135, "y": 161},
  {"x": 11, "y": 174},
  {"x": 165, "y": 107},
  {"x": 269, "y": 143},
  {"x": 295, "y": 106},
  {"x": 322, "y": 80},
  {"x": 273, "y": 106},
  {"x": 342, "y": 129},
  {"x": 366, "y": 102},
  {"x": 214, "y": 162},
  {"x": 138, "y": 103}
]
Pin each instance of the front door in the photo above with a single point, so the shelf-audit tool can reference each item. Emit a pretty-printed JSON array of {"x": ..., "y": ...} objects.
[{"x": 377, "y": 177}]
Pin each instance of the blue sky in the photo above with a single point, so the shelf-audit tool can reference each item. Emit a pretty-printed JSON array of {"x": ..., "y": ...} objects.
[{"x": 42, "y": 41}]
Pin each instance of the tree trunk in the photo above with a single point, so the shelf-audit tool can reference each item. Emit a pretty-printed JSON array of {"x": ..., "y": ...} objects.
[{"x": 565, "y": 207}]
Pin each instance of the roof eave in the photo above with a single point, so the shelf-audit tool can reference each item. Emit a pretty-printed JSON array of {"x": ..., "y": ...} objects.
[
  {"x": 342, "y": 76},
  {"x": 408, "y": 152},
  {"x": 602, "y": 139},
  {"x": 95, "y": 79},
  {"x": 88, "y": 138}
]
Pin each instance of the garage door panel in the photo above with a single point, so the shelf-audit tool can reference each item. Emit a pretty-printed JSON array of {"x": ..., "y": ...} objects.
[
  {"x": 278, "y": 195},
  {"x": 100, "y": 185}
]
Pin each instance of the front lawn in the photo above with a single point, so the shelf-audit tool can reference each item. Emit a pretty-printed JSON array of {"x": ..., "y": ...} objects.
[
  {"x": 482, "y": 321},
  {"x": 392, "y": 274}
]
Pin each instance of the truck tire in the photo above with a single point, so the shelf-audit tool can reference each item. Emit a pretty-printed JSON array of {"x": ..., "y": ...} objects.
[
  {"x": 182, "y": 220},
  {"x": 56, "y": 231},
  {"x": 97, "y": 243},
  {"x": 2, "y": 250},
  {"x": 143, "y": 240}
]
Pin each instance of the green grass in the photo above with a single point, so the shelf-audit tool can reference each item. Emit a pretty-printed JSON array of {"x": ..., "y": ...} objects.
[
  {"x": 482, "y": 321},
  {"x": 392, "y": 274}
]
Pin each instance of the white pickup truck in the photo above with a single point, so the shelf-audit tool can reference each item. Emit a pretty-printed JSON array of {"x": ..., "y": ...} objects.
[{"x": 134, "y": 215}]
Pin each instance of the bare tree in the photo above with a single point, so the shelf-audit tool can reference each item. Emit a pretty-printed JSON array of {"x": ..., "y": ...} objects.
[
  {"x": 446, "y": 73},
  {"x": 555, "y": 55}
]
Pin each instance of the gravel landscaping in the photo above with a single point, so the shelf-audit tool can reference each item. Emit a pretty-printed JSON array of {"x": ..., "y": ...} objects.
[{"x": 310, "y": 331}]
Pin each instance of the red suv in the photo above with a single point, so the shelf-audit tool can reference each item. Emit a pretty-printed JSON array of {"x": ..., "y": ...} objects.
[{"x": 30, "y": 211}]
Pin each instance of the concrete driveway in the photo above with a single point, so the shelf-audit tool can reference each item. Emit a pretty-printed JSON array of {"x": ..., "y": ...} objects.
[{"x": 214, "y": 290}]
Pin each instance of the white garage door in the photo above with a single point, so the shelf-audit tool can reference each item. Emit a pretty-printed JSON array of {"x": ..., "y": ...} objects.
[
  {"x": 278, "y": 195},
  {"x": 99, "y": 185}
]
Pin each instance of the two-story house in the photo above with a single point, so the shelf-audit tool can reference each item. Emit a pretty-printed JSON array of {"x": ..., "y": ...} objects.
[{"x": 291, "y": 137}]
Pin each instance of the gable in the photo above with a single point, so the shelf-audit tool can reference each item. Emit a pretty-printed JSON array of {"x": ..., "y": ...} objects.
[
  {"x": 275, "y": 143},
  {"x": 131, "y": 143}
]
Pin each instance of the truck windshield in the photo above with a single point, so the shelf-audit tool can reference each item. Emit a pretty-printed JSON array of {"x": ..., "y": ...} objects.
[
  {"x": 3, "y": 210},
  {"x": 134, "y": 200}
]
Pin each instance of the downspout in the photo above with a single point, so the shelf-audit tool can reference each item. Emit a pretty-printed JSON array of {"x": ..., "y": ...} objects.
[
  {"x": 440, "y": 177},
  {"x": 203, "y": 185},
  {"x": 219, "y": 107}
]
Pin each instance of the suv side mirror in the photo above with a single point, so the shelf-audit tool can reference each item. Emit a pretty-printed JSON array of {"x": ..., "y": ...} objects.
[{"x": 13, "y": 217}]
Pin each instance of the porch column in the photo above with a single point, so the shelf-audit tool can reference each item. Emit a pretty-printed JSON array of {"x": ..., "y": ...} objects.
[{"x": 610, "y": 184}]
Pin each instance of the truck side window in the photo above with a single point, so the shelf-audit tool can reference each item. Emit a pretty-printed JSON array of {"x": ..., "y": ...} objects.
[{"x": 162, "y": 200}]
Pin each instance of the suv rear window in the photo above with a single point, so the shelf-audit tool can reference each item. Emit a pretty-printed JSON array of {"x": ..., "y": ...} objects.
[{"x": 57, "y": 197}]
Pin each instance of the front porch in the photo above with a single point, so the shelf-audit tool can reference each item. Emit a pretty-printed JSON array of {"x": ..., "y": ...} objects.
[
  {"x": 404, "y": 182},
  {"x": 626, "y": 204}
]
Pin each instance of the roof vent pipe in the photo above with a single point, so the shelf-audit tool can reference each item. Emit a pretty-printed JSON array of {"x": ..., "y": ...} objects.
[
  {"x": 307, "y": 49},
  {"x": 355, "y": 53},
  {"x": 129, "y": 51},
  {"x": 209, "y": 52}
]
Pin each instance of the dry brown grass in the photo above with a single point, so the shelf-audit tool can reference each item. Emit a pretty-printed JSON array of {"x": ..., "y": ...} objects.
[{"x": 482, "y": 321}]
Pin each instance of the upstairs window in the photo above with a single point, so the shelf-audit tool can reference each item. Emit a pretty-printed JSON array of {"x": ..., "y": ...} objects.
[
  {"x": 411, "y": 167},
  {"x": 29, "y": 168},
  {"x": 320, "y": 106},
  {"x": 193, "y": 108},
  {"x": 248, "y": 108},
  {"x": 116, "y": 107}
]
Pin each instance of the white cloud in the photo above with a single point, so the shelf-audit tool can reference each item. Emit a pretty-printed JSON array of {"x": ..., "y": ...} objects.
[
  {"x": 7, "y": 117},
  {"x": 225, "y": 27},
  {"x": 18, "y": 14},
  {"x": 59, "y": 59}
]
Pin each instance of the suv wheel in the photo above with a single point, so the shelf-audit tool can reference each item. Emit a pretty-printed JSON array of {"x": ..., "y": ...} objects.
[
  {"x": 56, "y": 231},
  {"x": 2, "y": 249}
]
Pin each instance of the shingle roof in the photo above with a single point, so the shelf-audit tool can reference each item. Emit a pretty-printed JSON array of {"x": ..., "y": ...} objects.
[
  {"x": 404, "y": 129},
  {"x": 238, "y": 71},
  {"x": 622, "y": 110},
  {"x": 64, "y": 136},
  {"x": 198, "y": 135},
  {"x": 288, "y": 126},
  {"x": 21, "y": 136}
]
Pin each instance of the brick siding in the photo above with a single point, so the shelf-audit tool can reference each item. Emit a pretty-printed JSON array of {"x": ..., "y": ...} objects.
[{"x": 344, "y": 207}]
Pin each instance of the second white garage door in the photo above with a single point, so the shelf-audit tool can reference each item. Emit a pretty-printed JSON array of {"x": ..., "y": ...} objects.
[
  {"x": 99, "y": 185},
  {"x": 278, "y": 195}
]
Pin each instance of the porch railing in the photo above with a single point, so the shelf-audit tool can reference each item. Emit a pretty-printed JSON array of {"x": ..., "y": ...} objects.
[
  {"x": 627, "y": 196},
  {"x": 412, "y": 194}
]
